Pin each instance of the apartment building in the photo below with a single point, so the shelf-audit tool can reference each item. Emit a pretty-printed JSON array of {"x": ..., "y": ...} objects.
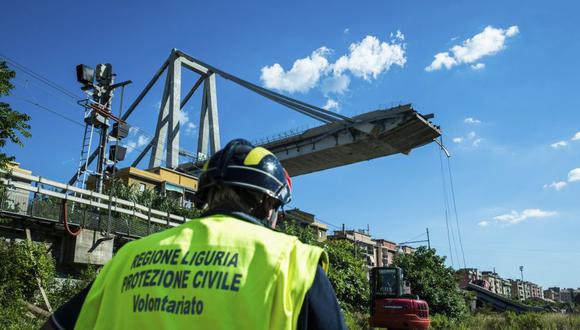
[
  {"x": 386, "y": 251},
  {"x": 506, "y": 288},
  {"x": 176, "y": 185},
  {"x": 566, "y": 295},
  {"x": 552, "y": 295},
  {"x": 523, "y": 290},
  {"x": 494, "y": 280},
  {"x": 465, "y": 276},
  {"x": 536, "y": 291},
  {"x": 377, "y": 252},
  {"x": 304, "y": 219},
  {"x": 366, "y": 245},
  {"x": 17, "y": 200}
]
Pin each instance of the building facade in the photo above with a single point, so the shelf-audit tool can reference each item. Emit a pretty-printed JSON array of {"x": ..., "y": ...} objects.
[
  {"x": 465, "y": 276},
  {"x": 366, "y": 246},
  {"x": 377, "y": 252},
  {"x": 506, "y": 288},
  {"x": 303, "y": 218},
  {"x": 549, "y": 294},
  {"x": 494, "y": 280},
  {"x": 173, "y": 184},
  {"x": 536, "y": 291},
  {"x": 523, "y": 290},
  {"x": 17, "y": 200},
  {"x": 386, "y": 251}
]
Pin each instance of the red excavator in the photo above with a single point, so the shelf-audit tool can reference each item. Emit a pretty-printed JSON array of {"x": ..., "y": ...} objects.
[{"x": 392, "y": 304}]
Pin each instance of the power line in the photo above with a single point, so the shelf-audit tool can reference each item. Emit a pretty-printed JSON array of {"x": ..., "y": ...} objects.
[
  {"x": 329, "y": 223},
  {"x": 41, "y": 78},
  {"x": 50, "y": 110},
  {"x": 415, "y": 237},
  {"x": 43, "y": 107},
  {"x": 70, "y": 95}
]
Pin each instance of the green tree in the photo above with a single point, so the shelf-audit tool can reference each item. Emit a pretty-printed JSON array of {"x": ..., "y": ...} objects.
[
  {"x": 18, "y": 284},
  {"x": 433, "y": 281},
  {"x": 348, "y": 273},
  {"x": 13, "y": 124}
]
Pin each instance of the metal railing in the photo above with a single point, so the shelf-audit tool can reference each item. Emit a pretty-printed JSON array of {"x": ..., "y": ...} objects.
[
  {"x": 281, "y": 136},
  {"x": 37, "y": 198}
]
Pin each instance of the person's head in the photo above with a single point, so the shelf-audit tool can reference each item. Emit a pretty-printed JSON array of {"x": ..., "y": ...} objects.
[{"x": 244, "y": 178}]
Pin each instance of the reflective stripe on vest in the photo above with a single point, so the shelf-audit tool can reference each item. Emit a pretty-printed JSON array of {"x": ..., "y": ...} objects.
[{"x": 216, "y": 272}]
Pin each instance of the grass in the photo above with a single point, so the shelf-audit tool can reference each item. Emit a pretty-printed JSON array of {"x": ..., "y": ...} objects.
[
  {"x": 487, "y": 321},
  {"x": 511, "y": 321}
]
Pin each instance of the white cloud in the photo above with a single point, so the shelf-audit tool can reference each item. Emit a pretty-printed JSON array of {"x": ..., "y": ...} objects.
[
  {"x": 133, "y": 130},
  {"x": 183, "y": 117},
  {"x": 574, "y": 175},
  {"x": 371, "y": 57},
  {"x": 559, "y": 144},
  {"x": 142, "y": 140},
  {"x": 576, "y": 137},
  {"x": 483, "y": 223},
  {"x": 366, "y": 59},
  {"x": 190, "y": 128},
  {"x": 441, "y": 60},
  {"x": 303, "y": 76},
  {"x": 346, "y": 31},
  {"x": 512, "y": 31},
  {"x": 516, "y": 217},
  {"x": 331, "y": 104},
  {"x": 470, "y": 139},
  {"x": 556, "y": 185},
  {"x": 335, "y": 84},
  {"x": 131, "y": 146},
  {"x": 478, "y": 66},
  {"x": 488, "y": 42},
  {"x": 471, "y": 120}
]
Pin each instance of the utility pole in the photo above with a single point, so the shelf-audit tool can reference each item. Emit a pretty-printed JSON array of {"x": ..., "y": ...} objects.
[
  {"x": 99, "y": 84},
  {"x": 428, "y": 241}
]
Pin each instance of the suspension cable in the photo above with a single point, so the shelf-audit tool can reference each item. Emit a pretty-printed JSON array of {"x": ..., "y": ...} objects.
[
  {"x": 455, "y": 209},
  {"x": 445, "y": 206}
]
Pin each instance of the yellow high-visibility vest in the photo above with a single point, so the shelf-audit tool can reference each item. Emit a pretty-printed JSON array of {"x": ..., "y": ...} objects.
[{"x": 216, "y": 272}]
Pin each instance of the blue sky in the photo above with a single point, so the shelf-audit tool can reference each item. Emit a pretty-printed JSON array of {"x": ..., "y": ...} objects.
[{"x": 512, "y": 69}]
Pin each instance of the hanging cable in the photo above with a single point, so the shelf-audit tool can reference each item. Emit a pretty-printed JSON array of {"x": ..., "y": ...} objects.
[
  {"x": 455, "y": 210},
  {"x": 65, "y": 220},
  {"x": 445, "y": 206},
  {"x": 440, "y": 143}
]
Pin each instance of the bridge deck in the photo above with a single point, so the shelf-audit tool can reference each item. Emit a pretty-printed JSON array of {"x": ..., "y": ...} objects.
[
  {"x": 499, "y": 302},
  {"x": 376, "y": 134},
  {"x": 372, "y": 135}
]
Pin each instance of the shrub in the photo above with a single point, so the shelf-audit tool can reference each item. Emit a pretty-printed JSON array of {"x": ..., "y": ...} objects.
[{"x": 18, "y": 284}]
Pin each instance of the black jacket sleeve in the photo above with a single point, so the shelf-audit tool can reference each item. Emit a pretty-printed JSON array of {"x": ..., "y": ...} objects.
[
  {"x": 65, "y": 317},
  {"x": 320, "y": 309}
]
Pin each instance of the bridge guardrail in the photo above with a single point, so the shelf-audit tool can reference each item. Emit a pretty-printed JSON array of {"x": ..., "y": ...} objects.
[{"x": 40, "y": 198}]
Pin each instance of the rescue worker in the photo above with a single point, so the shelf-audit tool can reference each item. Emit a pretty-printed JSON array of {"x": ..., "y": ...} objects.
[{"x": 225, "y": 270}]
